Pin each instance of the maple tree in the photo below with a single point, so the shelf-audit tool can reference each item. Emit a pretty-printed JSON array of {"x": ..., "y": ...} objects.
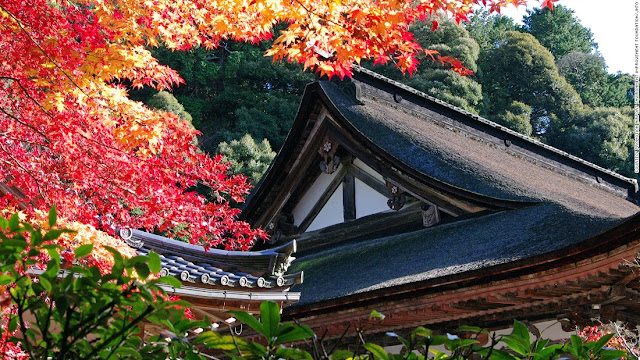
[{"x": 72, "y": 138}]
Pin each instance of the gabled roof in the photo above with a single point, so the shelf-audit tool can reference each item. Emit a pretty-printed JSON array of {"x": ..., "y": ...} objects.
[
  {"x": 529, "y": 206},
  {"x": 412, "y": 135}
]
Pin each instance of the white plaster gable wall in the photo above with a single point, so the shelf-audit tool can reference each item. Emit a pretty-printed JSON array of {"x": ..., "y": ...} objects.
[
  {"x": 311, "y": 197},
  {"x": 332, "y": 213},
  {"x": 369, "y": 201}
]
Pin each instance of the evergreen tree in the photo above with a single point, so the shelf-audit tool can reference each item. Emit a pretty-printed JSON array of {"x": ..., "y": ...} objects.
[
  {"x": 587, "y": 73},
  {"x": 164, "y": 100},
  {"x": 619, "y": 90},
  {"x": 488, "y": 30},
  {"x": 235, "y": 89},
  {"x": 247, "y": 157},
  {"x": 516, "y": 117},
  {"x": 521, "y": 69},
  {"x": 559, "y": 31},
  {"x": 436, "y": 79},
  {"x": 603, "y": 136}
]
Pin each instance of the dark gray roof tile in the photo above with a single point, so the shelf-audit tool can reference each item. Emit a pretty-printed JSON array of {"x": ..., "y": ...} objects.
[{"x": 191, "y": 263}]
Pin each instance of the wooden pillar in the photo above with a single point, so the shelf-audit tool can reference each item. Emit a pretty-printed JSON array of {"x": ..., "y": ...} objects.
[{"x": 349, "y": 197}]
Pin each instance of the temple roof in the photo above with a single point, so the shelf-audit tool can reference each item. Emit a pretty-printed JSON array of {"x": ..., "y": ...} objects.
[
  {"x": 513, "y": 201},
  {"x": 467, "y": 152}
]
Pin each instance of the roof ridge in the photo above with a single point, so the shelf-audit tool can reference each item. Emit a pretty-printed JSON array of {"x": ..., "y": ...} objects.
[{"x": 495, "y": 125}]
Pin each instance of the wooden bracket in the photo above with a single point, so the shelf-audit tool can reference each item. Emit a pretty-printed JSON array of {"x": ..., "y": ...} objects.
[
  {"x": 430, "y": 215},
  {"x": 398, "y": 198},
  {"x": 327, "y": 150}
]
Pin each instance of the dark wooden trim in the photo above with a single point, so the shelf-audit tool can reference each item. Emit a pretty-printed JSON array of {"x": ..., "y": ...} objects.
[
  {"x": 349, "y": 197},
  {"x": 363, "y": 226},
  {"x": 369, "y": 180},
  {"x": 290, "y": 181}
]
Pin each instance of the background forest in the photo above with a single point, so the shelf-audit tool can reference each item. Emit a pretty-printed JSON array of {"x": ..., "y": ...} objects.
[{"x": 544, "y": 79}]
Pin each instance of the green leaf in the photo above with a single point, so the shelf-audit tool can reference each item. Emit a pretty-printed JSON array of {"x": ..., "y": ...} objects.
[
  {"x": 14, "y": 222},
  {"x": 439, "y": 340},
  {"x": 53, "y": 216},
  {"x": 608, "y": 354},
  {"x": 516, "y": 343},
  {"x": 341, "y": 355},
  {"x": 421, "y": 331},
  {"x": 375, "y": 314},
  {"x": 83, "y": 250},
  {"x": 498, "y": 355},
  {"x": 248, "y": 319},
  {"x": 13, "y": 323},
  {"x": 53, "y": 267},
  {"x": 520, "y": 330},
  {"x": 294, "y": 334},
  {"x": 467, "y": 342},
  {"x": 377, "y": 351},
  {"x": 193, "y": 356},
  {"x": 45, "y": 283},
  {"x": 576, "y": 343},
  {"x": 6, "y": 279},
  {"x": 36, "y": 238},
  {"x": 213, "y": 340},
  {"x": 602, "y": 342},
  {"x": 3, "y": 223},
  {"x": 548, "y": 352},
  {"x": 129, "y": 352},
  {"x": 142, "y": 270},
  {"x": 294, "y": 354},
  {"x": 155, "y": 265},
  {"x": 170, "y": 280},
  {"x": 55, "y": 233},
  {"x": 32, "y": 334},
  {"x": 118, "y": 261},
  {"x": 270, "y": 318},
  {"x": 258, "y": 350}
]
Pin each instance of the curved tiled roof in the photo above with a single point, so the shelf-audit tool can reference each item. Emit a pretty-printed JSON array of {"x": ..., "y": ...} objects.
[
  {"x": 219, "y": 268},
  {"x": 475, "y": 155}
]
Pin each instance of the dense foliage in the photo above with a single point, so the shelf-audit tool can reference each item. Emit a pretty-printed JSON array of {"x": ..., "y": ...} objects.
[
  {"x": 58, "y": 303},
  {"x": 247, "y": 157},
  {"x": 73, "y": 308},
  {"x": 436, "y": 78},
  {"x": 559, "y": 31}
]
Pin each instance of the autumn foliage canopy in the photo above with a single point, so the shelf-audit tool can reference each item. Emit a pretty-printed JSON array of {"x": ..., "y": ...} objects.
[{"x": 70, "y": 136}]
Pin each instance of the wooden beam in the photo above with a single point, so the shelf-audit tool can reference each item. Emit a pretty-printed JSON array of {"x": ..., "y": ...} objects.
[
  {"x": 369, "y": 180},
  {"x": 349, "y": 197}
]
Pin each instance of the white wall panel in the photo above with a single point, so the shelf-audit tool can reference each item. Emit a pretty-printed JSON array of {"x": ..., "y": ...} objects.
[
  {"x": 369, "y": 201},
  {"x": 310, "y": 198},
  {"x": 332, "y": 212}
]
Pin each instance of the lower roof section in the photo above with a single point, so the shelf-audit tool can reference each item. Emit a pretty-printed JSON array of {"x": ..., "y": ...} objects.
[
  {"x": 214, "y": 272},
  {"x": 370, "y": 265},
  {"x": 597, "y": 277}
]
